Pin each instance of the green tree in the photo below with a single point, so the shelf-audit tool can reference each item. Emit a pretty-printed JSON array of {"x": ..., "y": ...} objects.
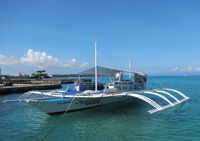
[{"x": 40, "y": 74}]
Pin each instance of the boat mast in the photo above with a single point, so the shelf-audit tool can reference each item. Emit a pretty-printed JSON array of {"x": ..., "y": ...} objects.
[
  {"x": 95, "y": 65},
  {"x": 130, "y": 67}
]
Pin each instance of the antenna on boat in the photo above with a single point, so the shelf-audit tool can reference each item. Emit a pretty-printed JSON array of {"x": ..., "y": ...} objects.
[
  {"x": 95, "y": 65},
  {"x": 130, "y": 67}
]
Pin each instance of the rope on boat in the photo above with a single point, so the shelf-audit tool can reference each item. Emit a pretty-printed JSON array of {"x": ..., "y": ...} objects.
[
  {"x": 59, "y": 119},
  {"x": 157, "y": 82}
]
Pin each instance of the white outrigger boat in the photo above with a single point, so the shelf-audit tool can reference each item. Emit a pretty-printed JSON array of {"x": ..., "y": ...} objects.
[{"x": 94, "y": 94}]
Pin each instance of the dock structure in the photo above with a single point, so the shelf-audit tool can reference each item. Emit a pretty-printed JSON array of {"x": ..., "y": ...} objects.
[
  {"x": 19, "y": 88},
  {"x": 44, "y": 81},
  {"x": 26, "y": 85}
]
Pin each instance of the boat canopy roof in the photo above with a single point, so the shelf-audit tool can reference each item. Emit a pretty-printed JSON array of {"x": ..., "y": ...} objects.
[{"x": 101, "y": 71}]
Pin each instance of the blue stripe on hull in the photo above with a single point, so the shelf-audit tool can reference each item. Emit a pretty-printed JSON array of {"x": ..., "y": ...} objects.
[{"x": 60, "y": 99}]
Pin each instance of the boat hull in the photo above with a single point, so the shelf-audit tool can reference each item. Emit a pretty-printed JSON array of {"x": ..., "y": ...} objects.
[{"x": 58, "y": 106}]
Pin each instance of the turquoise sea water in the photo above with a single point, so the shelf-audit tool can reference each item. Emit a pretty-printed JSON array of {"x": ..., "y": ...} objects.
[{"x": 119, "y": 121}]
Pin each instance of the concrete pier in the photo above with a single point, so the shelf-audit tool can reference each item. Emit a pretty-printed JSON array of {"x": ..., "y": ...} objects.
[
  {"x": 44, "y": 81},
  {"x": 26, "y": 85},
  {"x": 19, "y": 88}
]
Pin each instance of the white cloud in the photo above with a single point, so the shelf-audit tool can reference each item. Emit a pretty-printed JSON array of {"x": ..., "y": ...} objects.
[
  {"x": 197, "y": 69},
  {"x": 174, "y": 69},
  {"x": 8, "y": 60},
  {"x": 42, "y": 60},
  {"x": 189, "y": 69}
]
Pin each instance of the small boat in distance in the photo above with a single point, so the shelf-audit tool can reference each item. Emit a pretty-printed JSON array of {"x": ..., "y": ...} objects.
[{"x": 94, "y": 94}]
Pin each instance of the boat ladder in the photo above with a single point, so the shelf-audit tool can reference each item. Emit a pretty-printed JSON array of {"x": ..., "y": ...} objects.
[{"x": 159, "y": 93}]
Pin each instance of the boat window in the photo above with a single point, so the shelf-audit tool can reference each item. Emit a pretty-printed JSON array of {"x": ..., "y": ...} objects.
[{"x": 110, "y": 84}]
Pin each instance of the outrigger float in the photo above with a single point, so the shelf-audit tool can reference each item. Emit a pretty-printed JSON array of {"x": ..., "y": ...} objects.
[{"x": 94, "y": 94}]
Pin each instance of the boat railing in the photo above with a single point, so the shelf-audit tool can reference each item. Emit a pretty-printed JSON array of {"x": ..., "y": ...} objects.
[
  {"x": 36, "y": 95},
  {"x": 82, "y": 86},
  {"x": 139, "y": 86},
  {"x": 126, "y": 85}
]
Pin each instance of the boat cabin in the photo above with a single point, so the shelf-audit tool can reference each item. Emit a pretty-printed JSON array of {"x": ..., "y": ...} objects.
[
  {"x": 83, "y": 86},
  {"x": 119, "y": 84},
  {"x": 129, "y": 85}
]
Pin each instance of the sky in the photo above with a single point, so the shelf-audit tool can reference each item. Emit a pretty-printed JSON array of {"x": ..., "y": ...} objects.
[{"x": 163, "y": 36}]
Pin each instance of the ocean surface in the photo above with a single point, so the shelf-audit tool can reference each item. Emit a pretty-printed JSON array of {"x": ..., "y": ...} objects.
[{"x": 119, "y": 121}]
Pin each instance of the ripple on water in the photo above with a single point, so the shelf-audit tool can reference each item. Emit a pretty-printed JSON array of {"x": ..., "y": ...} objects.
[{"x": 119, "y": 121}]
